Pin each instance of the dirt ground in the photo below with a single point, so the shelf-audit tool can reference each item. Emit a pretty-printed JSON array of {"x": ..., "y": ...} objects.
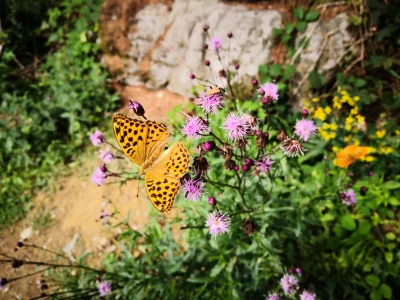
[{"x": 69, "y": 219}]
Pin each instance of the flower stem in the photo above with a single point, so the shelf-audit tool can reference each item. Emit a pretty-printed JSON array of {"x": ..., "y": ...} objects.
[{"x": 119, "y": 150}]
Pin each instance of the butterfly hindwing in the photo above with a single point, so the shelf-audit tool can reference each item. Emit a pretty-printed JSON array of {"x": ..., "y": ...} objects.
[
  {"x": 162, "y": 190},
  {"x": 163, "y": 180}
]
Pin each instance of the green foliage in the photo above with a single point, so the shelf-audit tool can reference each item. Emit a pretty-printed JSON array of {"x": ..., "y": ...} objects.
[{"x": 47, "y": 113}]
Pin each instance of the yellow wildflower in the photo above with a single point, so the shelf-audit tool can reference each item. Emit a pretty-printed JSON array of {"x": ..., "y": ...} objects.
[
  {"x": 349, "y": 120},
  {"x": 354, "y": 111},
  {"x": 333, "y": 127},
  {"x": 385, "y": 150},
  {"x": 320, "y": 114},
  {"x": 326, "y": 126},
  {"x": 347, "y": 138},
  {"x": 380, "y": 133},
  {"x": 360, "y": 119},
  {"x": 356, "y": 98},
  {"x": 348, "y": 127},
  {"x": 315, "y": 100},
  {"x": 398, "y": 132},
  {"x": 356, "y": 142},
  {"x": 328, "y": 110},
  {"x": 335, "y": 149},
  {"x": 332, "y": 135}
]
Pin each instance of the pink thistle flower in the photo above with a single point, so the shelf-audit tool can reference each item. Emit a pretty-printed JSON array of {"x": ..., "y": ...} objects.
[
  {"x": 270, "y": 91},
  {"x": 349, "y": 197},
  {"x": 307, "y": 295},
  {"x": 193, "y": 189},
  {"x": 305, "y": 129},
  {"x": 106, "y": 156},
  {"x": 273, "y": 296},
  {"x": 194, "y": 127},
  {"x": 289, "y": 284},
  {"x": 236, "y": 126},
  {"x": 263, "y": 165},
  {"x": 104, "y": 288},
  {"x": 99, "y": 176},
  {"x": 292, "y": 147},
  {"x": 216, "y": 43},
  {"x": 209, "y": 103},
  {"x": 218, "y": 223},
  {"x": 251, "y": 121},
  {"x": 97, "y": 138}
]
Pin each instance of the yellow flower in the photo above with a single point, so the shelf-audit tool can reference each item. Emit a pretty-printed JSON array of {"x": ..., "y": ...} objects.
[
  {"x": 360, "y": 119},
  {"x": 369, "y": 158},
  {"x": 349, "y": 120},
  {"x": 356, "y": 98},
  {"x": 354, "y": 111},
  {"x": 333, "y": 127},
  {"x": 332, "y": 135},
  {"x": 380, "y": 133},
  {"x": 348, "y": 127},
  {"x": 315, "y": 99},
  {"x": 356, "y": 142},
  {"x": 328, "y": 110},
  {"x": 335, "y": 149},
  {"x": 347, "y": 138},
  {"x": 326, "y": 126},
  {"x": 385, "y": 150},
  {"x": 337, "y": 105},
  {"x": 398, "y": 132},
  {"x": 320, "y": 114}
]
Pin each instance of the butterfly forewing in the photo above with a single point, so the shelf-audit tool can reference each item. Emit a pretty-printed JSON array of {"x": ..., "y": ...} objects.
[{"x": 157, "y": 137}]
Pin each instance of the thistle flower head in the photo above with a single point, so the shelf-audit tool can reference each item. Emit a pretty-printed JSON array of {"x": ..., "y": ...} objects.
[
  {"x": 273, "y": 296},
  {"x": 209, "y": 103},
  {"x": 292, "y": 147},
  {"x": 193, "y": 189},
  {"x": 106, "y": 156},
  {"x": 3, "y": 282},
  {"x": 249, "y": 227},
  {"x": 97, "y": 138},
  {"x": 349, "y": 197},
  {"x": 270, "y": 91},
  {"x": 307, "y": 295},
  {"x": 104, "y": 288},
  {"x": 194, "y": 127},
  {"x": 305, "y": 129},
  {"x": 136, "y": 107},
  {"x": 263, "y": 165},
  {"x": 200, "y": 166},
  {"x": 99, "y": 176},
  {"x": 212, "y": 201},
  {"x": 216, "y": 43},
  {"x": 289, "y": 284},
  {"x": 218, "y": 223},
  {"x": 236, "y": 126}
]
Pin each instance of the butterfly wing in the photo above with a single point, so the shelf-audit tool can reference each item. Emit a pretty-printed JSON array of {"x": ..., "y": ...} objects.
[
  {"x": 139, "y": 140},
  {"x": 163, "y": 180}
]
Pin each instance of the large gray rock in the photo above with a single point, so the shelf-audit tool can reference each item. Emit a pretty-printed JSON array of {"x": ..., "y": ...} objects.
[
  {"x": 181, "y": 51},
  {"x": 335, "y": 31}
]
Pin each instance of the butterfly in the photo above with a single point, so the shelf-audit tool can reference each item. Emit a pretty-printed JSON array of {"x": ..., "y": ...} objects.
[
  {"x": 215, "y": 91},
  {"x": 143, "y": 142}
]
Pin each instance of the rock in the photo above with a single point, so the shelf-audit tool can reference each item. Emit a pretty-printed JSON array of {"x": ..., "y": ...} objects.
[
  {"x": 335, "y": 47},
  {"x": 181, "y": 52}
]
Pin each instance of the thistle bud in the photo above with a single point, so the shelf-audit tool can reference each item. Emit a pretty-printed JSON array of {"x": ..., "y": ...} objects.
[
  {"x": 209, "y": 146},
  {"x": 205, "y": 46},
  {"x": 19, "y": 244},
  {"x": 281, "y": 135},
  {"x": 200, "y": 166},
  {"x": 363, "y": 190},
  {"x": 245, "y": 168},
  {"x": 254, "y": 82},
  {"x": 249, "y": 227},
  {"x": 212, "y": 201},
  {"x": 206, "y": 27},
  {"x": 304, "y": 113},
  {"x": 237, "y": 66},
  {"x": 230, "y": 164},
  {"x": 16, "y": 263},
  {"x": 192, "y": 76},
  {"x": 207, "y": 62},
  {"x": 230, "y": 35},
  {"x": 136, "y": 107},
  {"x": 262, "y": 140}
]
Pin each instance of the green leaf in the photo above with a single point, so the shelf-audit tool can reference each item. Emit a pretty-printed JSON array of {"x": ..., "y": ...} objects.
[
  {"x": 391, "y": 236},
  {"x": 263, "y": 69},
  {"x": 301, "y": 26},
  {"x": 277, "y": 31},
  {"x": 316, "y": 80},
  {"x": 312, "y": 15},
  {"x": 275, "y": 70},
  {"x": 389, "y": 257},
  {"x": 386, "y": 291},
  {"x": 348, "y": 222},
  {"x": 375, "y": 295},
  {"x": 365, "y": 227},
  {"x": 289, "y": 27},
  {"x": 372, "y": 280},
  {"x": 217, "y": 269},
  {"x": 391, "y": 185},
  {"x": 298, "y": 13}
]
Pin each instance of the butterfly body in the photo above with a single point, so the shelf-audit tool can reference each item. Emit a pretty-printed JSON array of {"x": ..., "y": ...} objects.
[
  {"x": 143, "y": 142},
  {"x": 215, "y": 91}
]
